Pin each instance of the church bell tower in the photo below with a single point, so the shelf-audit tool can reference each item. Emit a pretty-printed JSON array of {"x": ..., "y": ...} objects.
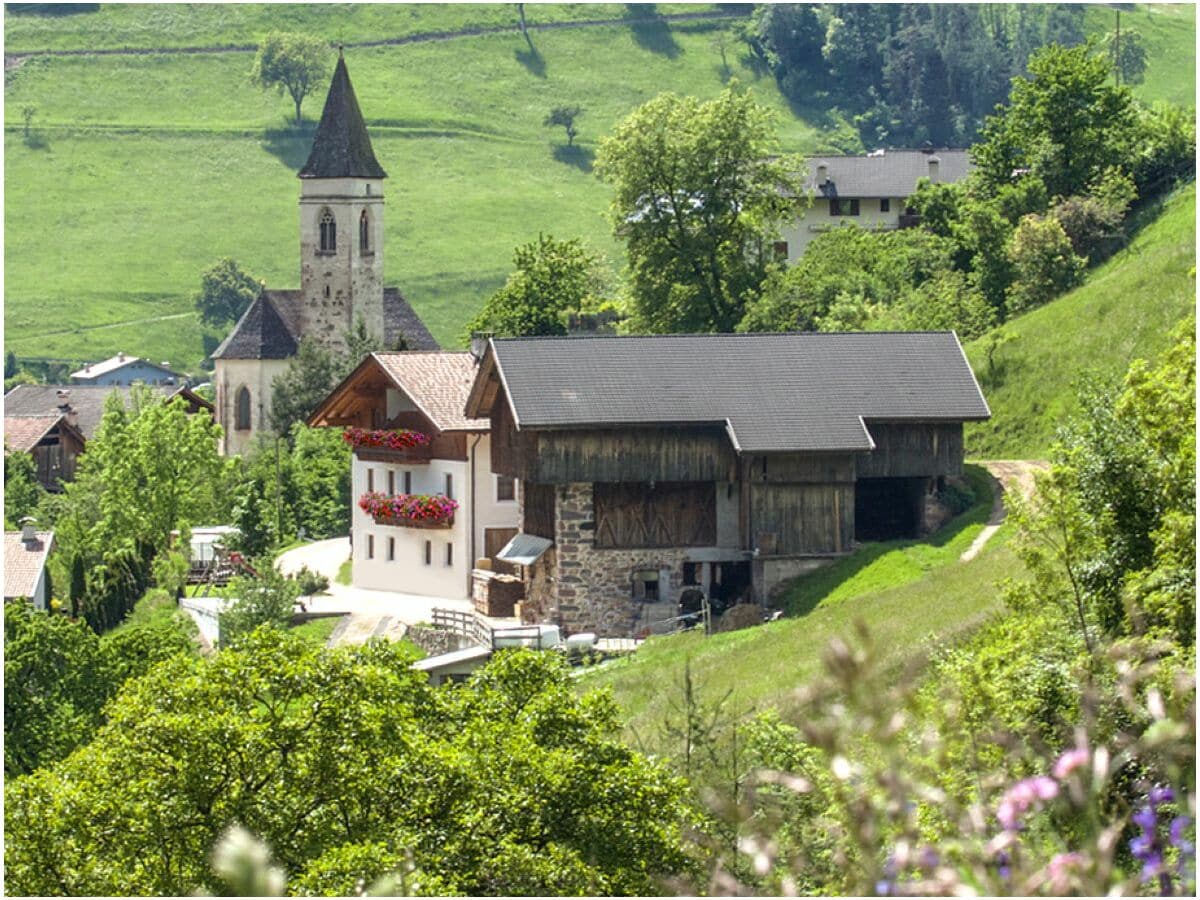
[{"x": 341, "y": 223}]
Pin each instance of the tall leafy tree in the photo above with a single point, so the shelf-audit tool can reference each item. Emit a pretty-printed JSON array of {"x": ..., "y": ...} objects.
[
  {"x": 225, "y": 293},
  {"x": 698, "y": 195},
  {"x": 1066, "y": 122},
  {"x": 551, "y": 278},
  {"x": 295, "y": 63}
]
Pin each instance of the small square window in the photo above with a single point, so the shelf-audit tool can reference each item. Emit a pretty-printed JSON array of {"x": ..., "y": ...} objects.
[
  {"x": 780, "y": 249},
  {"x": 885, "y": 205},
  {"x": 391, "y": 483},
  {"x": 840, "y": 207},
  {"x": 506, "y": 488},
  {"x": 408, "y": 482}
]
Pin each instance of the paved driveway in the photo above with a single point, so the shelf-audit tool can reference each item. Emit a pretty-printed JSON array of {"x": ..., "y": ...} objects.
[{"x": 371, "y": 613}]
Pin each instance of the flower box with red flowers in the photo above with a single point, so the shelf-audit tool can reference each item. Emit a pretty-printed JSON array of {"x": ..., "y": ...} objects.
[
  {"x": 409, "y": 510},
  {"x": 389, "y": 444}
]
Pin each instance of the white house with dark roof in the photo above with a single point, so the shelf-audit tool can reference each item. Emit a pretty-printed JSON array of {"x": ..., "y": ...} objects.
[
  {"x": 870, "y": 191},
  {"x": 717, "y": 463},
  {"x": 341, "y": 274},
  {"x": 425, "y": 392},
  {"x": 124, "y": 370}
]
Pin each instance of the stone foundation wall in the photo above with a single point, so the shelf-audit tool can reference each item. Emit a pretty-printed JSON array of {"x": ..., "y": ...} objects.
[
  {"x": 595, "y": 587},
  {"x": 771, "y": 575},
  {"x": 540, "y": 604}
]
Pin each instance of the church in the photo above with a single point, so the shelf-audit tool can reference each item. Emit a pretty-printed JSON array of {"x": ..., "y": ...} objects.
[{"x": 341, "y": 275}]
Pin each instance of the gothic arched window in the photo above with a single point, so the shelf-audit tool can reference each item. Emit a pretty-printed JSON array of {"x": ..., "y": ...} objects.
[
  {"x": 241, "y": 415},
  {"x": 364, "y": 233},
  {"x": 328, "y": 231}
]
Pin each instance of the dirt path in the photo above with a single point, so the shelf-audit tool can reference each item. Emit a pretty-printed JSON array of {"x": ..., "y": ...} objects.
[
  {"x": 1007, "y": 475},
  {"x": 14, "y": 60}
]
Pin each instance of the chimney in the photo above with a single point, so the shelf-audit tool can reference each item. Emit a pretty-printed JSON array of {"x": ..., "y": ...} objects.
[
  {"x": 28, "y": 531},
  {"x": 933, "y": 169},
  {"x": 479, "y": 343},
  {"x": 121, "y": 356},
  {"x": 64, "y": 398},
  {"x": 822, "y": 173}
]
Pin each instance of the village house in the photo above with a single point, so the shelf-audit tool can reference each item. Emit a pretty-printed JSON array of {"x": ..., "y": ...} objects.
[
  {"x": 125, "y": 370},
  {"x": 54, "y": 422},
  {"x": 25, "y": 575},
  {"x": 341, "y": 275},
  {"x": 462, "y": 509},
  {"x": 870, "y": 191},
  {"x": 728, "y": 463}
]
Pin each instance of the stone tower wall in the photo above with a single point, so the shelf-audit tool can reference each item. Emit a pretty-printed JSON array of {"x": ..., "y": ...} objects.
[{"x": 339, "y": 287}]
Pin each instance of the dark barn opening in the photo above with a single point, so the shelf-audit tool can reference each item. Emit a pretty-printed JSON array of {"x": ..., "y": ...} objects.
[{"x": 888, "y": 508}]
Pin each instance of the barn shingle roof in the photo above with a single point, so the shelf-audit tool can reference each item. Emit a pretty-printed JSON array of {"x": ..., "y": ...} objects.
[
  {"x": 342, "y": 147},
  {"x": 24, "y": 562},
  {"x": 772, "y": 392},
  {"x": 893, "y": 173},
  {"x": 24, "y": 432}
]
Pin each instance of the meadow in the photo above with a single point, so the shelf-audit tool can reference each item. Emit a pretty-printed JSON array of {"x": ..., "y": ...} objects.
[
  {"x": 141, "y": 170},
  {"x": 1124, "y": 311}
]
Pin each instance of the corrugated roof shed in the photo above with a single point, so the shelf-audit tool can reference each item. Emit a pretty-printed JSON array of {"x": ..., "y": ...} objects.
[
  {"x": 773, "y": 392},
  {"x": 342, "y": 147},
  {"x": 893, "y": 173}
]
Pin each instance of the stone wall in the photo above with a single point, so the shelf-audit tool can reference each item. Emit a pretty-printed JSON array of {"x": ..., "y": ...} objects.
[{"x": 595, "y": 587}]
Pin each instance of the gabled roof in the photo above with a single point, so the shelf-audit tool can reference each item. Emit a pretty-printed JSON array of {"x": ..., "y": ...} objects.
[
  {"x": 342, "y": 147},
  {"x": 437, "y": 383},
  {"x": 771, "y": 392},
  {"x": 888, "y": 173},
  {"x": 120, "y": 361},
  {"x": 261, "y": 333},
  {"x": 24, "y": 562},
  {"x": 24, "y": 432},
  {"x": 401, "y": 320},
  {"x": 86, "y": 401}
]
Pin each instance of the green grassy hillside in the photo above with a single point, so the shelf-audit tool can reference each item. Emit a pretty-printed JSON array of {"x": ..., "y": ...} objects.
[
  {"x": 909, "y": 595},
  {"x": 1168, "y": 31},
  {"x": 1124, "y": 311},
  {"x": 153, "y": 166}
]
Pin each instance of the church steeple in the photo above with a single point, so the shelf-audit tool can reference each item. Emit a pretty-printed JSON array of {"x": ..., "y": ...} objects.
[{"x": 342, "y": 147}]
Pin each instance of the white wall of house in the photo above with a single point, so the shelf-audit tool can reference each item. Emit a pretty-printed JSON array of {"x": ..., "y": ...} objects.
[
  {"x": 395, "y": 558},
  {"x": 255, "y": 374},
  {"x": 816, "y": 219}
]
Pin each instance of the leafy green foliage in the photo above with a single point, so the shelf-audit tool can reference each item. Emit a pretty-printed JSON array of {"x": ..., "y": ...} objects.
[
  {"x": 225, "y": 293},
  {"x": 22, "y": 492},
  {"x": 290, "y": 62},
  {"x": 697, "y": 193},
  {"x": 310, "y": 376},
  {"x": 1044, "y": 265},
  {"x": 268, "y": 598},
  {"x": 341, "y": 758},
  {"x": 148, "y": 470},
  {"x": 552, "y": 279}
]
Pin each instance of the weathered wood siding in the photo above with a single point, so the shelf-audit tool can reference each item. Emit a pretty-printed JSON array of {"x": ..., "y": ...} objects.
[
  {"x": 669, "y": 514},
  {"x": 791, "y": 519},
  {"x": 512, "y": 451},
  {"x": 910, "y": 451},
  {"x": 802, "y": 468},
  {"x": 538, "y": 508},
  {"x": 667, "y": 453}
]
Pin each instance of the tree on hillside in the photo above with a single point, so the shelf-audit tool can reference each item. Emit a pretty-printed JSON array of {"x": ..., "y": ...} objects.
[
  {"x": 225, "y": 293},
  {"x": 564, "y": 117},
  {"x": 296, "y": 63},
  {"x": 1066, "y": 122},
  {"x": 1126, "y": 53},
  {"x": 552, "y": 278},
  {"x": 340, "y": 760},
  {"x": 699, "y": 194}
]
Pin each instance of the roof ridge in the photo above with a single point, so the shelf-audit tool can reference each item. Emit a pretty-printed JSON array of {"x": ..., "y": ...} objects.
[
  {"x": 341, "y": 147},
  {"x": 720, "y": 334}
]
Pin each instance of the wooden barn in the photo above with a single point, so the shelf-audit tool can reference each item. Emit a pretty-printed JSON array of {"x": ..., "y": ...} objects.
[{"x": 726, "y": 462}]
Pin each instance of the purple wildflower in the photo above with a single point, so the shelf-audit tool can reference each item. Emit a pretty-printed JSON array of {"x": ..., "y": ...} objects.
[
  {"x": 1179, "y": 840},
  {"x": 1161, "y": 795},
  {"x": 1070, "y": 761},
  {"x": 1145, "y": 818},
  {"x": 1004, "y": 865}
]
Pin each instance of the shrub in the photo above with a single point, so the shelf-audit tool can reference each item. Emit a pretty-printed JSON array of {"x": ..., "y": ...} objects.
[
  {"x": 1043, "y": 262},
  {"x": 311, "y": 582}
]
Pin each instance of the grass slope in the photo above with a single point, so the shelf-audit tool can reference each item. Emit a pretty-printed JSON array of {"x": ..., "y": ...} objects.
[
  {"x": 155, "y": 165},
  {"x": 909, "y": 595},
  {"x": 1168, "y": 31},
  {"x": 1124, "y": 311}
]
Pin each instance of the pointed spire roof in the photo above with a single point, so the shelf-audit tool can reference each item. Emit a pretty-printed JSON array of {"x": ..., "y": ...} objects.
[{"x": 342, "y": 147}]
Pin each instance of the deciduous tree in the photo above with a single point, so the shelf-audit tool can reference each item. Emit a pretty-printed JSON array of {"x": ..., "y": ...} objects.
[
  {"x": 225, "y": 293},
  {"x": 295, "y": 63},
  {"x": 699, "y": 194},
  {"x": 564, "y": 117}
]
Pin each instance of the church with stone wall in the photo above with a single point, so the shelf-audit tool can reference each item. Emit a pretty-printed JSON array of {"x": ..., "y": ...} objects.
[{"x": 341, "y": 275}]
